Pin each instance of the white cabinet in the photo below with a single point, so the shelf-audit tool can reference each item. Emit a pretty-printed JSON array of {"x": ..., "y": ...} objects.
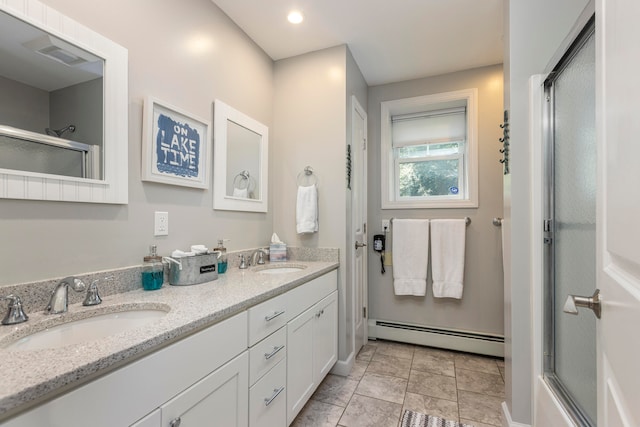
[
  {"x": 257, "y": 368},
  {"x": 300, "y": 378},
  {"x": 151, "y": 420},
  {"x": 219, "y": 399},
  {"x": 312, "y": 348},
  {"x": 132, "y": 394},
  {"x": 268, "y": 399},
  {"x": 325, "y": 336}
]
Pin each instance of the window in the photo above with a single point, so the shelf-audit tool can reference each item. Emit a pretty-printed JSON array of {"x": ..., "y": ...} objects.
[{"x": 429, "y": 153}]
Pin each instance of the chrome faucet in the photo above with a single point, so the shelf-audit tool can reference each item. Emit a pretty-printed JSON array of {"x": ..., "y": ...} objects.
[
  {"x": 259, "y": 254},
  {"x": 59, "y": 301},
  {"x": 15, "y": 314}
]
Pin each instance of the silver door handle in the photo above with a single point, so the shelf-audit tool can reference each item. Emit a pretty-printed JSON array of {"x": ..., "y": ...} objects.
[
  {"x": 574, "y": 301},
  {"x": 360, "y": 245},
  {"x": 273, "y": 316},
  {"x": 276, "y": 392},
  {"x": 273, "y": 353},
  {"x": 175, "y": 422}
]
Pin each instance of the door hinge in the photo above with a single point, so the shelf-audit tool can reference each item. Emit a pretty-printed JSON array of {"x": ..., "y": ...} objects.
[
  {"x": 364, "y": 312},
  {"x": 365, "y": 227}
]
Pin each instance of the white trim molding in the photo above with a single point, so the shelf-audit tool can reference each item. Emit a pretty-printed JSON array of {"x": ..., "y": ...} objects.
[
  {"x": 464, "y": 97},
  {"x": 506, "y": 418}
]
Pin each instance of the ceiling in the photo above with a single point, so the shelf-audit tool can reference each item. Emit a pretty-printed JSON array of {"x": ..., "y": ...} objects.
[{"x": 390, "y": 40}]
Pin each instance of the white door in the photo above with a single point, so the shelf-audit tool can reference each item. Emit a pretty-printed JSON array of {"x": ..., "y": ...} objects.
[
  {"x": 358, "y": 221},
  {"x": 300, "y": 378},
  {"x": 618, "y": 247},
  {"x": 325, "y": 336}
]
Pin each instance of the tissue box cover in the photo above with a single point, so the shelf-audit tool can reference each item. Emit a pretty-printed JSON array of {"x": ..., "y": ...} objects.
[{"x": 277, "y": 252}]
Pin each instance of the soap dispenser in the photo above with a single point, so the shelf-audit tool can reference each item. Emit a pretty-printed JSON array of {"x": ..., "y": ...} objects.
[
  {"x": 152, "y": 270},
  {"x": 222, "y": 260}
]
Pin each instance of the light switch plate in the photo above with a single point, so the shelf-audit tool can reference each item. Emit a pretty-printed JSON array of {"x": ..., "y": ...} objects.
[{"x": 161, "y": 224}]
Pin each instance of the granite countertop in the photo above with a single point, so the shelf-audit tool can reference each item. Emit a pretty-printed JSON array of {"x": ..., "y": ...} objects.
[{"x": 30, "y": 377}]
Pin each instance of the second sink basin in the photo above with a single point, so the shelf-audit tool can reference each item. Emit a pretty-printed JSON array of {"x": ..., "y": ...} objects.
[
  {"x": 279, "y": 269},
  {"x": 88, "y": 329}
]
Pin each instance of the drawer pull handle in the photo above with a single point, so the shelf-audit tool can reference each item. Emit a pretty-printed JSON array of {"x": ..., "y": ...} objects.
[
  {"x": 175, "y": 422},
  {"x": 273, "y": 316},
  {"x": 273, "y": 353},
  {"x": 276, "y": 392}
]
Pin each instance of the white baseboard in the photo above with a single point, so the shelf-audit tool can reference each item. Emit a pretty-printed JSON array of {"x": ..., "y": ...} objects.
[
  {"x": 506, "y": 418},
  {"x": 440, "y": 338},
  {"x": 343, "y": 367}
]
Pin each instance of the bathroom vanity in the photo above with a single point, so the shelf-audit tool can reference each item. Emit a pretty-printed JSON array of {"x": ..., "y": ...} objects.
[{"x": 248, "y": 349}]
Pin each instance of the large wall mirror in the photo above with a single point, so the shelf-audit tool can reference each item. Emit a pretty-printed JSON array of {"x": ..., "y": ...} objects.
[
  {"x": 63, "y": 109},
  {"x": 241, "y": 147}
]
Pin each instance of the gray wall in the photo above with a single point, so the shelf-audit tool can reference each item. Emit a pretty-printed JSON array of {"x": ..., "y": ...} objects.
[
  {"x": 23, "y": 106},
  {"x": 309, "y": 129},
  {"x": 80, "y": 105},
  {"x": 185, "y": 56},
  {"x": 534, "y": 31},
  {"x": 481, "y": 306}
]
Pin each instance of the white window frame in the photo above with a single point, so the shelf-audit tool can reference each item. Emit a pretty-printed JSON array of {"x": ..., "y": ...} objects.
[{"x": 389, "y": 188}]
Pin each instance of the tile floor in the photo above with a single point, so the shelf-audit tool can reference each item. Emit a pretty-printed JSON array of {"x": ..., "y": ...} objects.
[{"x": 390, "y": 377}]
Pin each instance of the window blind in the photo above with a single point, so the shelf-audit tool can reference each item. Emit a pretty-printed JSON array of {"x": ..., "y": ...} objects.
[{"x": 430, "y": 126}]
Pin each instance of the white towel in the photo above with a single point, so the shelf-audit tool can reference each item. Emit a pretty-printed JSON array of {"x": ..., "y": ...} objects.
[
  {"x": 410, "y": 253},
  {"x": 240, "y": 192},
  {"x": 307, "y": 210},
  {"x": 447, "y": 257}
]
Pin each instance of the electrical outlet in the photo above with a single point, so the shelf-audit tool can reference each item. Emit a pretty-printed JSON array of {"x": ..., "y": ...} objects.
[
  {"x": 161, "y": 224},
  {"x": 385, "y": 224}
]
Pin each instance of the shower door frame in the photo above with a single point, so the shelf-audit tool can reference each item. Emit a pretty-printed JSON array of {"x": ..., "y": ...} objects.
[{"x": 549, "y": 299}]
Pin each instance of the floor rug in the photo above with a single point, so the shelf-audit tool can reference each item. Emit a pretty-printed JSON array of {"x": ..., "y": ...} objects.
[{"x": 416, "y": 419}]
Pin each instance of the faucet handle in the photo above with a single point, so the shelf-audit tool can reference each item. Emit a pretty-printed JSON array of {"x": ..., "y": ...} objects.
[
  {"x": 93, "y": 297},
  {"x": 15, "y": 313},
  {"x": 243, "y": 262}
]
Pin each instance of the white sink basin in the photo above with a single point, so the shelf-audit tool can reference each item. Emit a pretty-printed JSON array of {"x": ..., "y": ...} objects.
[
  {"x": 279, "y": 269},
  {"x": 86, "y": 330}
]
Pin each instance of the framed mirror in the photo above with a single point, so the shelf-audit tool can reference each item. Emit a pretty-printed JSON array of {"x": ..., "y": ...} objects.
[
  {"x": 63, "y": 113},
  {"x": 240, "y": 169}
]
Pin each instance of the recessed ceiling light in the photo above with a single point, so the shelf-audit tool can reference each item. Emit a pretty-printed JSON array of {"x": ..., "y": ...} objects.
[{"x": 295, "y": 17}]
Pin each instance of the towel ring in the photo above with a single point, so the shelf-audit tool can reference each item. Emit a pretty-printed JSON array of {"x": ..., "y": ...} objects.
[
  {"x": 242, "y": 181},
  {"x": 306, "y": 178}
]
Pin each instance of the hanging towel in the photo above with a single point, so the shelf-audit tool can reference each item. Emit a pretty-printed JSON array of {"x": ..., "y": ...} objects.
[
  {"x": 307, "y": 210},
  {"x": 410, "y": 253},
  {"x": 240, "y": 192},
  {"x": 447, "y": 257}
]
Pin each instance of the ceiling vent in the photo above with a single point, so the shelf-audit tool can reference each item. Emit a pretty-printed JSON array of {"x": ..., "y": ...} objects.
[{"x": 60, "y": 51}]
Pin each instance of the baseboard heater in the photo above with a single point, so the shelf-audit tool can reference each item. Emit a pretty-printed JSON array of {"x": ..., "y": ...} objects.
[{"x": 451, "y": 339}]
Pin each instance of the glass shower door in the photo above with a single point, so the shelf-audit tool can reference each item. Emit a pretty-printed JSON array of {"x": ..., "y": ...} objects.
[{"x": 570, "y": 353}]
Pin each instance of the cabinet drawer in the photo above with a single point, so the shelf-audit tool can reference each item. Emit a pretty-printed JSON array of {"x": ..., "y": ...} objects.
[
  {"x": 268, "y": 400},
  {"x": 266, "y": 354},
  {"x": 267, "y": 317},
  {"x": 304, "y": 296}
]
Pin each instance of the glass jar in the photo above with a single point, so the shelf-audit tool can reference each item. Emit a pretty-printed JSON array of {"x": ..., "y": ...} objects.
[
  {"x": 152, "y": 271},
  {"x": 222, "y": 260}
]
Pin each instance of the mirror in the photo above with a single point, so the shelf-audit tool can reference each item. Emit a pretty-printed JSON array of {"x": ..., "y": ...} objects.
[
  {"x": 63, "y": 113},
  {"x": 240, "y": 161}
]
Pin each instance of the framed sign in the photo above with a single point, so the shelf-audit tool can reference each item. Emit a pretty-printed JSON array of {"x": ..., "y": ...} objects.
[{"x": 175, "y": 146}]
